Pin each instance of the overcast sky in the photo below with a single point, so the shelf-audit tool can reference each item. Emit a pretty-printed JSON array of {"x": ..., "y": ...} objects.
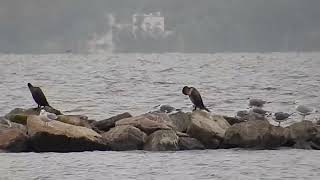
[{"x": 50, "y": 26}]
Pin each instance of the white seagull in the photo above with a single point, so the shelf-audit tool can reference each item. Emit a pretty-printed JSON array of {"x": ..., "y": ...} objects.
[{"x": 47, "y": 117}]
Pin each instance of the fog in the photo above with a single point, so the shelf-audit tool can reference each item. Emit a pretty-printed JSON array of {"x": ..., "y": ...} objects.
[{"x": 204, "y": 26}]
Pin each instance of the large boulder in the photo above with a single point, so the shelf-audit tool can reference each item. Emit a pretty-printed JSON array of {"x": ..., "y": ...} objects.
[
  {"x": 315, "y": 141},
  {"x": 19, "y": 115},
  {"x": 233, "y": 120},
  {"x": 61, "y": 137},
  {"x": 125, "y": 137},
  {"x": 159, "y": 117},
  {"x": 13, "y": 140},
  {"x": 144, "y": 124},
  {"x": 77, "y": 120},
  {"x": 105, "y": 125},
  {"x": 255, "y": 134},
  {"x": 209, "y": 130},
  {"x": 162, "y": 140},
  {"x": 188, "y": 143},
  {"x": 181, "y": 121},
  {"x": 6, "y": 123},
  {"x": 301, "y": 134}
]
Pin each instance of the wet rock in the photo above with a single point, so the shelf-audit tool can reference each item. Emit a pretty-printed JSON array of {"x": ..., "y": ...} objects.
[
  {"x": 302, "y": 133},
  {"x": 256, "y": 117},
  {"x": 255, "y": 134},
  {"x": 126, "y": 137},
  {"x": 162, "y": 118},
  {"x": 62, "y": 137},
  {"x": 162, "y": 140},
  {"x": 77, "y": 120},
  {"x": 52, "y": 110},
  {"x": 109, "y": 123},
  {"x": 5, "y": 124},
  {"x": 19, "y": 115},
  {"x": 181, "y": 134},
  {"x": 144, "y": 124},
  {"x": 187, "y": 143},
  {"x": 303, "y": 130},
  {"x": 209, "y": 130},
  {"x": 13, "y": 140},
  {"x": 181, "y": 121},
  {"x": 315, "y": 141}
]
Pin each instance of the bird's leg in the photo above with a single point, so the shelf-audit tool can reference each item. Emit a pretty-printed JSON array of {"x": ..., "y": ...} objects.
[
  {"x": 279, "y": 124},
  {"x": 194, "y": 108},
  {"x": 303, "y": 117}
]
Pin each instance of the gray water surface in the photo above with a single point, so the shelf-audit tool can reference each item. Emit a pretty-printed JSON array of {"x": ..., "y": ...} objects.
[
  {"x": 207, "y": 164},
  {"x": 103, "y": 85}
]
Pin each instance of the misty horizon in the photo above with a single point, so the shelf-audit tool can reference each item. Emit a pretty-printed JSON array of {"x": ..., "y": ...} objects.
[{"x": 34, "y": 26}]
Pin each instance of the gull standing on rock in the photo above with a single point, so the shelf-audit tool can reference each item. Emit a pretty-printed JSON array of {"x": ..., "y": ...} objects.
[
  {"x": 304, "y": 110},
  {"x": 256, "y": 103},
  {"x": 47, "y": 117},
  {"x": 280, "y": 117}
]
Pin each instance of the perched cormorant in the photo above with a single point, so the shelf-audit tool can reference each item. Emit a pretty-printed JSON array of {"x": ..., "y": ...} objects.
[
  {"x": 195, "y": 97},
  {"x": 47, "y": 117},
  {"x": 38, "y": 96}
]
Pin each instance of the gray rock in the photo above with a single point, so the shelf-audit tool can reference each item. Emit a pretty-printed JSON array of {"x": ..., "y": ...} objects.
[
  {"x": 162, "y": 140},
  {"x": 77, "y": 120},
  {"x": 303, "y": 134},
  {"x": 144, "y": 124},
  {"x": 233, "y": 120},
  {"x": 209, "y": 130},
  {"x": 255, "y": 134},
  {"x": 181, "y": 121},
  {"x": 126, "y": 137},
  {"x": 61, "y": 137},
  {"x": 19, "y": 115},
  {"x": 109, "y": 123},
  {"x": 13, "y": 140},
  {"x": 187, "y": 143}
]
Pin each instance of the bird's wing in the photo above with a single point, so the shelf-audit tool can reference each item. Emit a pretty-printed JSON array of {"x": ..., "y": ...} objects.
[
  {"x": 196, "y": 98},
  {"x": 52, "y": 116},
  {"x": 41, "y": 97}
]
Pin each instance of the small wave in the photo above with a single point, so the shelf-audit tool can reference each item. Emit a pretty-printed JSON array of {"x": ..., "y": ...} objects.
[
  {"x": 167, "y": 70},
  {"x": 269, "y": 88},
  {"x": 163, "y": 82}
]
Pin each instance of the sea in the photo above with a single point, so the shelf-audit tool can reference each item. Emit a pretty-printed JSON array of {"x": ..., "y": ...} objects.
[{"x": 103, "y": 85}]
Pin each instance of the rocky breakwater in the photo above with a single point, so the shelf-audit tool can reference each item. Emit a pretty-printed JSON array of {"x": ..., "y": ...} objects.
[{"x": 22, "y": 130}]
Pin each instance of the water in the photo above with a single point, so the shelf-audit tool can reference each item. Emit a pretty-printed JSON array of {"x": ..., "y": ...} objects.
[
  {"x": 103, "y": 85},
  {"x": 211, "y": 164}
]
